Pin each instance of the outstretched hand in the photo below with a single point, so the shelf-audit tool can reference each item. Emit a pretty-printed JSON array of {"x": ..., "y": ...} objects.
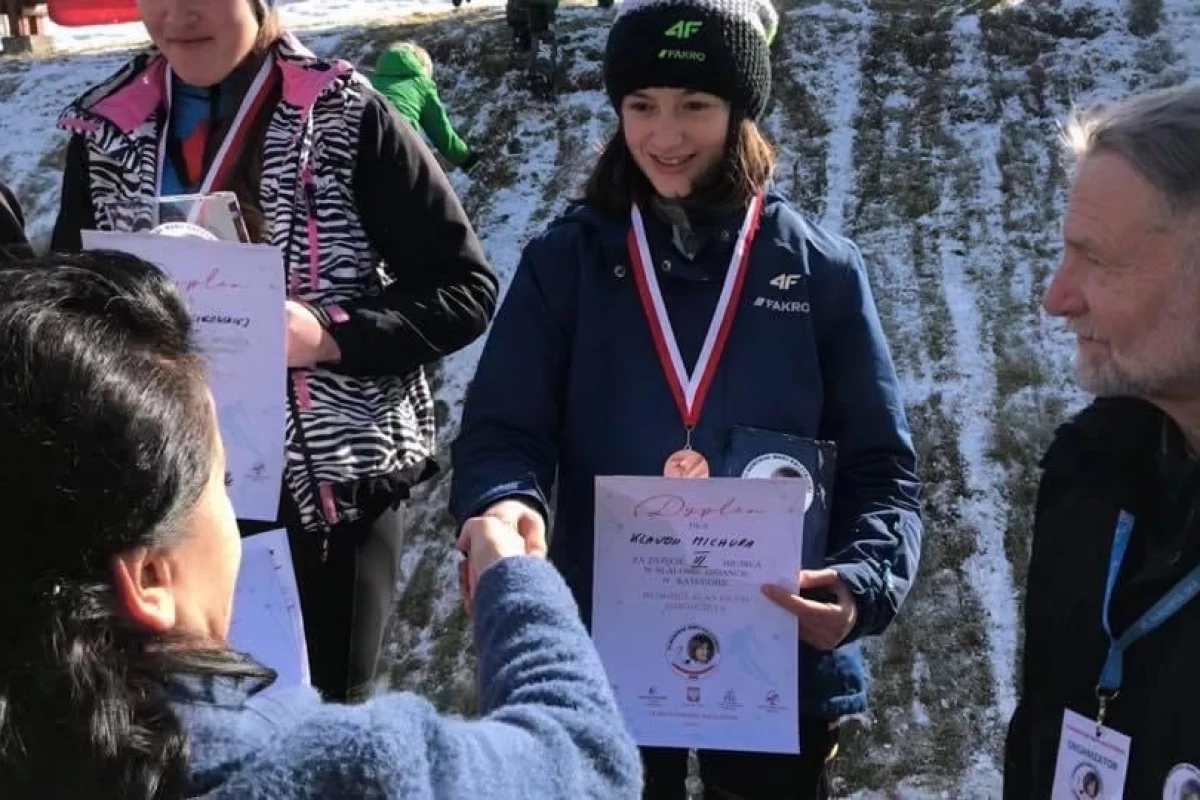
[
  {"x": 527, "y": 520},
  {"x": 484, "y": 541}
]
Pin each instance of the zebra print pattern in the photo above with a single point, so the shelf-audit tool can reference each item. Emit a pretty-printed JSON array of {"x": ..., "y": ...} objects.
[{"x": 353, "y": 428}]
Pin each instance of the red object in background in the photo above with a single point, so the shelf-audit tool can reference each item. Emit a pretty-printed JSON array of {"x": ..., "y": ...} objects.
[{"x": 93, "y": 12}]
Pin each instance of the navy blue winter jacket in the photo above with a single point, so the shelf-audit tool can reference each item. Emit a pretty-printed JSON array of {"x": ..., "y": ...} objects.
[
  {"x": 551, "y": 727},
  {"x": 569, "y": 387}
]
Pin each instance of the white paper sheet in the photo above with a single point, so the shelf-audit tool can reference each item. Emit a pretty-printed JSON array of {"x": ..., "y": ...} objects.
[
  {"x": 267, "y": 622},
  {"x": 235, "y": 294},
  {"x": 697, "y": 656}
]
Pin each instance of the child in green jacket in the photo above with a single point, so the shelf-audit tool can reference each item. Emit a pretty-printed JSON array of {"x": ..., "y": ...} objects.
[{"x": 404, "y": 75}]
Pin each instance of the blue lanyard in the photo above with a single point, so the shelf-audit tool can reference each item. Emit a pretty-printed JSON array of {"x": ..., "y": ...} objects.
[{"x": 1179, "y": 596}]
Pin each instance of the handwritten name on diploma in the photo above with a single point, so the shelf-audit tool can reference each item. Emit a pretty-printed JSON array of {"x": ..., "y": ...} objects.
[{"x": 671, "y": 506}]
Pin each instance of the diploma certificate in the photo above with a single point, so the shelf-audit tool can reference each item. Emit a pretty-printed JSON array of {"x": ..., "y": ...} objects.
[{"x": 697, "y": 656}]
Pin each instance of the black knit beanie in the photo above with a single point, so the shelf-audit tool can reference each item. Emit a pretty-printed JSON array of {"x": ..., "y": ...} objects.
[{"x": 717, "y": 46}]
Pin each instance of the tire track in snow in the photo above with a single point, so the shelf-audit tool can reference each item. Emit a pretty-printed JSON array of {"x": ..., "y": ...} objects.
[{"x": 933, "y": 686}]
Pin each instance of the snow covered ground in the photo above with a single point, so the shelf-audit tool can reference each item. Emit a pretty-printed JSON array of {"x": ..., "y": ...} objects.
[
  {"x": 297, "y": 14},
  {"x": 929, "y": 138}
]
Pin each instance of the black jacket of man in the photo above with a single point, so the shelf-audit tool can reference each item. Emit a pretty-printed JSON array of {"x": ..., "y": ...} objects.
[{"x": 1119, "y": 454}]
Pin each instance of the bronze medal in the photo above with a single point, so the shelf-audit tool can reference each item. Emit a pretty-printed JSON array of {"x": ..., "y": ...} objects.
[
  {"x": 686, "y": 464},
  {"x": 689, "y": 390}
]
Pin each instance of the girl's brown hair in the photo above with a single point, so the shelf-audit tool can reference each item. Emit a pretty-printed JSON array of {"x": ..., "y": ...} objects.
[
  {"x": 248, "y": 173},
  {"x": 617, "y": 182}
]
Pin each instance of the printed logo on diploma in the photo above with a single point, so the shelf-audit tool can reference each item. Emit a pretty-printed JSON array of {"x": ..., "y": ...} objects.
[
  {"x": 693, "y": 651},
  {"x": 184, "y": 229},
  {"x": 781, "y": 465}
]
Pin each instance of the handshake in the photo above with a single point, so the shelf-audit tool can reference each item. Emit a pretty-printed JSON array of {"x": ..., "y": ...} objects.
[{"x": 508, "y": 528}]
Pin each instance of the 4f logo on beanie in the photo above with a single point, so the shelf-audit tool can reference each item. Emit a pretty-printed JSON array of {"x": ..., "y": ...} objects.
[{"x": 684, "y": 29}]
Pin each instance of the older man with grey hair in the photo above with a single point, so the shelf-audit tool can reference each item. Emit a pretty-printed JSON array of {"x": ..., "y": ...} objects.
[{"x": 1111, "y": 683}]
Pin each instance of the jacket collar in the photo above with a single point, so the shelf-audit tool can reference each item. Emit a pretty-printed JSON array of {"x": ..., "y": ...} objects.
[
  {"x": 789, "y": 234},
  {"x": 228, "y": 721},
  {"x": 1113, "y": 445},
  {"x": 134, "y": 95},
  {"x": 613, "y": 230}
]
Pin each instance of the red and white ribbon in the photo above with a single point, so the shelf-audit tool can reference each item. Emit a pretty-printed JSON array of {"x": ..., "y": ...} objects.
[
  {"x": 689, "y": 390},
  {"x": 252, "y": 102}
]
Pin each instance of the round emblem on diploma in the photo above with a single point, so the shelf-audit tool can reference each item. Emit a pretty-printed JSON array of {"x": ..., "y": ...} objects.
[
  {"x": 182, "y": 229},
  {"x": 693, "y": 651},
  {"x": 1183, "y": 783},
  {"x": 781, "y": 465}
]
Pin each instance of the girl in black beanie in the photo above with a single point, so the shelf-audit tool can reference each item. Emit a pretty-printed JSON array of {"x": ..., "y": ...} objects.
[{"x": 684, "y": 320}]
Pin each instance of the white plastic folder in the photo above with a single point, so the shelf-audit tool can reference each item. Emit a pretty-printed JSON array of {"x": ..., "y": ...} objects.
[{"x": 267, "y": 622}]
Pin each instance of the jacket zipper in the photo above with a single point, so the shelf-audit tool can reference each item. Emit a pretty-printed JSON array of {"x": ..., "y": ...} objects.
[{"x": 306, "y": 192}]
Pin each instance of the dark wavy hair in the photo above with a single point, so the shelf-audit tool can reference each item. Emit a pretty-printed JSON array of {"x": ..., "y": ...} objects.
[{"x": 107, "y": 434}]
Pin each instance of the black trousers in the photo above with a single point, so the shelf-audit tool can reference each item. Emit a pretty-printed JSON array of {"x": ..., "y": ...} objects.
[
  {"x": 747, "y": 776},
  {"x": 530, "y": 16},
  {"x": 346, "y": 595}
]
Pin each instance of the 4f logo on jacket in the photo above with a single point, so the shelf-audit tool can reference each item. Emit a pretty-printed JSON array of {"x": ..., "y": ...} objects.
[
  {"x": 684, "y": 29},
  {"x": 783, "y": 281}
]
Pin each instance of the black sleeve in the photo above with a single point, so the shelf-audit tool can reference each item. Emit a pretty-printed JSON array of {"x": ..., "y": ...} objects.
[
  {"x": 75, "y": 212},
  {"x": 13, "y": 243},
  {"x": 443, "y": 293}
]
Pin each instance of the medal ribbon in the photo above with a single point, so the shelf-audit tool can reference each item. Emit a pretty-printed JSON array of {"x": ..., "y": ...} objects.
[
  {"x": 689, "y": 391},
  {"x": 247, "y": 112}
]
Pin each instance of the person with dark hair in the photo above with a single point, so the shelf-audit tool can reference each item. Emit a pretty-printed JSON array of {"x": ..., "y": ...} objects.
[
  {"x": 116, "y": 681},
  {"x": 384, "y": 276},
  {"x": 13, "y": 243},
  {"x": 1112, "y": 622},
  {"x": 677, "y": 241}
]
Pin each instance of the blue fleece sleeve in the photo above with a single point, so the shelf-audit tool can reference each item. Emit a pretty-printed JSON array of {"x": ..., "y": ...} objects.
[
  {"x": 507, "y": 443},
  {"x": 552, "y": 728},
  {"x": 875, "y": 525}
]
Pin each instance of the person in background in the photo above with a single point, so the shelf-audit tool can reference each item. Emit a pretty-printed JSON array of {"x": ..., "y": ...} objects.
[
  {"x": 404, "y": 75},
  {"x": 1112, "y": 627},
  {"x": 533, "y": 37},
  {"x": 571, "y": 384},
  {"x": 384, "y": 276},
  {"x": 116, "y": 680},
  {"x": 13, "y": 243}
]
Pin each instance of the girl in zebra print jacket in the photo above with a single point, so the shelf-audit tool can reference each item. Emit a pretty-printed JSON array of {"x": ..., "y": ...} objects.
[{"x": 385, "y": 275}]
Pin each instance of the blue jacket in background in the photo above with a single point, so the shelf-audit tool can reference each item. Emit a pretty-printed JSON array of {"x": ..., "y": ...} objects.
[
  {"x": 569, "y": 387},
  {"x": 551, "y": 727}
]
